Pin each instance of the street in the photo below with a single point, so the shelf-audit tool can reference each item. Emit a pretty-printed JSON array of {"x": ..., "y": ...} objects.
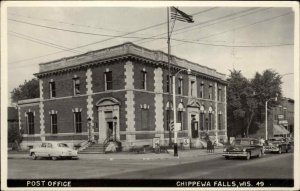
[{"x": 206, "y": 167}]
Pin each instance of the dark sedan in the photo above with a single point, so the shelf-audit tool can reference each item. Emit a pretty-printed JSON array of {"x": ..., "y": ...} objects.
[{"x": 243, "y": 147}]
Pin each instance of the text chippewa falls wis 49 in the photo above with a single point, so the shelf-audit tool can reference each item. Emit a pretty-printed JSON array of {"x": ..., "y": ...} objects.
[{"x": 215, "y": 183}]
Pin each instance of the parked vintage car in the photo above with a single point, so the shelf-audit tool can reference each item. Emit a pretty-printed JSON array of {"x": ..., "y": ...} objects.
[
  {"x": 243, "y": 147},
  {"x": 277, "y": 144},
  {"x": 53, "y": 150}
]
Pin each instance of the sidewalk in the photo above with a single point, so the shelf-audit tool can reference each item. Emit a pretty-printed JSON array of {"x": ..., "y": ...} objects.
[{"x": 132, "y": 156}]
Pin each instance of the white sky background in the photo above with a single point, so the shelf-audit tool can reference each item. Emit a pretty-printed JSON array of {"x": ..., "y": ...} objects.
[{"x": 236, "y": 30}]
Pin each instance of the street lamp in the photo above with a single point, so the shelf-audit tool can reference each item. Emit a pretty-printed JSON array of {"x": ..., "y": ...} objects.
[
  {"x": 174, "y": 110},
  {"x": 275, "y": 99}
]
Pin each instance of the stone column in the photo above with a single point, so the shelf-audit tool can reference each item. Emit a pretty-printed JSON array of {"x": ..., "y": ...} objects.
[
  {"x": 129, "y": 102},
  {"x": 158, "y": 103},
  {"x": 41, "y": 106},
  {"x": 216, "y": 112},
  {"x": 89, "y": 100}
]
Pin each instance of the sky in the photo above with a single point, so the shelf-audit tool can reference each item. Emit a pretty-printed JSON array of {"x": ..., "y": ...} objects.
[{"x": 250, "y": 39}]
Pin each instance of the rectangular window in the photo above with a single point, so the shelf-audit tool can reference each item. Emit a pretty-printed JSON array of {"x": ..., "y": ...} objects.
[
  {"x": 169, "y": 83},
  {"x": 192, "y": 87},
  {"x": 219, "y": 94},
  {"x": 220, "y": 121},
  {"x": 144, "y": 119},
  {"x": 201, "y": 90},
  {"x": 53, "y": 118},
  {"x": 52, "y": 89},
  {"x": 180, "y": 84},
  {"x": 168, "y": 119},
  {"x": 30, "y": 123},
  {"x": 108, "y": 80},
  {"x": 144, "y": 80},
  {"x": 180, "y": 119},
  {"x": 210, "y": 92},
  {"x": 76, "y": 86},
  {"x": 77, "y": 122},
  {"x": 202, "y": 121}
]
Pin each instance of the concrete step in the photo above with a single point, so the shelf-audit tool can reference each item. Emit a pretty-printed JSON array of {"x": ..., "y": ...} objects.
[{"x": 94, "y": 149}]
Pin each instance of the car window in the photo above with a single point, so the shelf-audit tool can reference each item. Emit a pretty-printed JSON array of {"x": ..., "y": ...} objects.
[
  {"x": 63, "y": 145},
  {"x": 49, "y": 145},
  {"x": 43, "y": 145},
  {"x": 241, "y": 142}
]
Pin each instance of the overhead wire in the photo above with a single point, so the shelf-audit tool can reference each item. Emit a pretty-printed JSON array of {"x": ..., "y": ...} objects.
[
  {"x": 237, "y": 28},
  {"x": 93, "y": 43},
  {"x": 206, "y": 22}
]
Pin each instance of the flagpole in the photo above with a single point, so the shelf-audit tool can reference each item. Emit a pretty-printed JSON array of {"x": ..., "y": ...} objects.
[{"x": 169, "y": 77}]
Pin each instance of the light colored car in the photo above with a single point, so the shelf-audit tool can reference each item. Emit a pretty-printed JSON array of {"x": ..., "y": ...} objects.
[{"x": 53, "y": 150}]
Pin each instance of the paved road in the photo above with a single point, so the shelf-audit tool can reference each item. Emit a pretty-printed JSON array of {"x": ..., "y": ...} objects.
[
  {"x": 210, "y": 166},
  {"x": 270, "y": 166}
]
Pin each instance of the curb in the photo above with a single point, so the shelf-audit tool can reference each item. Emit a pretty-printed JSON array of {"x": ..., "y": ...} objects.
[{"x": 168, "y": 157}]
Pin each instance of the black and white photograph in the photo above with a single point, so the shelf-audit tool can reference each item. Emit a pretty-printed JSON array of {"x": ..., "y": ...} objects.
[{"x": 150, "y": 95}]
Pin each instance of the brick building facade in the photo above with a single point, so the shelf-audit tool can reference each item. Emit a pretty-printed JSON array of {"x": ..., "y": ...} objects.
[{"x": 123, "y": 91}]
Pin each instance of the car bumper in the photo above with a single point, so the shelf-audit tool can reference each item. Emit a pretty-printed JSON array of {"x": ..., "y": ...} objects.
[
  {"x": 271, "y": 149},
  {"x": 235, "y": 154}
]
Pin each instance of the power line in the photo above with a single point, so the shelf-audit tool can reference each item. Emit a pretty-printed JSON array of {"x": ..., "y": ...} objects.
[
  {"x": 225, "y": 45},
  {"x": 81, "y": 32},
  {"x": 205, "y": 22},
  {"x": 63, "y": 22},
  {"x": 39, "y": 41},
  {"x": 142, "y": 29},
  {"x": 237, "y": 28}
]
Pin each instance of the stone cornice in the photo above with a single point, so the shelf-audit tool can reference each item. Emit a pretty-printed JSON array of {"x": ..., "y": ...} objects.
[{"x": 123, "y": 51}]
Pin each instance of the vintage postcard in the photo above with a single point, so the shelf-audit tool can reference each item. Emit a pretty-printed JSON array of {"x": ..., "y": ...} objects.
[{"x": 150, "y": 95}]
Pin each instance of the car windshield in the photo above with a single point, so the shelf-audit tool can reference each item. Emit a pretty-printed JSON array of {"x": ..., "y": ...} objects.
[
  {"x": 241, "y": 142},
  {"x": 63, "y": 145}
]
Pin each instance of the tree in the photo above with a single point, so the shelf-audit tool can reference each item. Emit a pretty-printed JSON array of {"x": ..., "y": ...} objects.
[
  {"x": 14, "y": 136},
  {"x": 28, "y": 90},
  {"x": 266, "y": 85},
  {"x": 246, "y": 100}
]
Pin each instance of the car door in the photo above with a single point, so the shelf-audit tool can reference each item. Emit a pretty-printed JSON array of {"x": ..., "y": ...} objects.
[
  {"x": 41, "y": 151},
  {"x": 50, "y": 149}
]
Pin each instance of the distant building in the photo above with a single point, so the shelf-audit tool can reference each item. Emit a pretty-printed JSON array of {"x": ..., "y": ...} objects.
[
  {"x": 123, "y": 91},
  {"x": 283, "y": 115}
]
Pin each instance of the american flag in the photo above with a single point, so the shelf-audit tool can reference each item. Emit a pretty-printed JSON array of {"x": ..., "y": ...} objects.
[{"x": 181, "y": 16}]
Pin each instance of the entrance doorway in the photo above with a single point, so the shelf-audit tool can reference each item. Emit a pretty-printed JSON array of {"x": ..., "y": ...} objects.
[
  {"x": 194, "y": 128},
  {"x": 108, "y": 119},
  {"x": 110, "y": 130}
]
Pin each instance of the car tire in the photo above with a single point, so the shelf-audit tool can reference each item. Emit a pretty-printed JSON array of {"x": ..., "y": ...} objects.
[
  {"x": 248, "y": 156},
  {"x": 33, "y": 156},
  {"x": 54, "y": 158},
  {"x": 287, "y": 150},
  {"x": 226, "y": 157},
  {"x": 280, "y": 151},
  {"x": 260, "y": 154}
]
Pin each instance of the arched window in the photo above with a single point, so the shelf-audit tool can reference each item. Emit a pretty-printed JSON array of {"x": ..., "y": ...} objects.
[
  {"x": 202, "y": 118},
  {"x": 168, "y": 110},
  {"x": 180, "y": 117},
  {"x": 210, "y": 118}
]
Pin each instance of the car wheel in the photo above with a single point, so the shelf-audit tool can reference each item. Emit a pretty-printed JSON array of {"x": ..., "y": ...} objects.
[
  {"x": 226, "y": 157},
  {"x": 287, "y": 150},
  {"x": 259, "y": 154},
  {"x": 33, "y": 156},
  {"x": 54, "y": 158},
  {"x": 280, "y": 151},
  {"x": 248, "y": 156}
]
